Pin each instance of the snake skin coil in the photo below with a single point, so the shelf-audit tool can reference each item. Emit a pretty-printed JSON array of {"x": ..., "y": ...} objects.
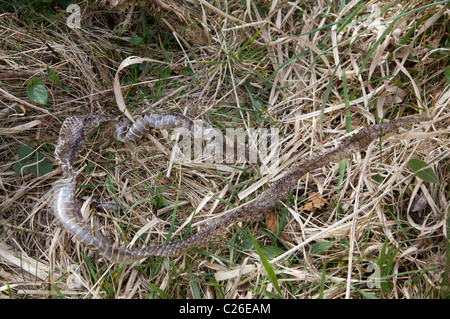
[{"x": 72, "y": 138}]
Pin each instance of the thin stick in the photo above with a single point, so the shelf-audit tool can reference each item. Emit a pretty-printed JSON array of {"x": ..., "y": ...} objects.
[
  {"x": 22, "y": 102},
  {"x": 56, "y": 54}
]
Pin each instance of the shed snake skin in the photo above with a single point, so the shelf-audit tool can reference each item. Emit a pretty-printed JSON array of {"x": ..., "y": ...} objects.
[{"x": 72, "y": 138}]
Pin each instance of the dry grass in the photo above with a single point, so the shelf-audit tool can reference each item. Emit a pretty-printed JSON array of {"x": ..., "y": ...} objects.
[{"x": 269, "y": 64}]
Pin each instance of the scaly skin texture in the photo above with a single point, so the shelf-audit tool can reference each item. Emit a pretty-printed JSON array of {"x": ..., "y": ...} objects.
[{"x": 71, "y": 140}]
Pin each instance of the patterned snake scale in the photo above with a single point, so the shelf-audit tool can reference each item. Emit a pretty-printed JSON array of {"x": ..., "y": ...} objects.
[{"x": 72, "y": 138}]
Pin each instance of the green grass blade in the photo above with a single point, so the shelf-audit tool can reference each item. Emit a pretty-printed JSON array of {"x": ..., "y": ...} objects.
[
  {"x": 269, "y": 270},
  {"x": 350, "y": 17},
  {"x": 158, "y": 290}
]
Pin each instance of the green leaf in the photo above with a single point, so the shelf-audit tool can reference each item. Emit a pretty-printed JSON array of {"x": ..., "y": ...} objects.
[
  {"x": 422, "y": 170},
  {"x": 194, "y": 286},
  {"x": 135, "y": 39},
  {"x": 320, "y": 247},
  {"x": 185, "y": 70},
  {"x": 375, "y": 176},
  {"x": 20, "y": 168},
  {"x": 272, "y": 251},
  {"x": 53, "y": 77},
  {"x": 42, "y": 165},
  {"x": 24, "y": 152},
  {"x": 36, "y": 91},
  {"x": 32, "y": 162},
  {"x": 158, "y": 290},
  {"x": 266, "y": 264},
  {"x": 255, "y": 102},
  {"x": 342, "y": 167},
  {"x": 367, "y": 295},
  {"x": 447, "y": 74}
]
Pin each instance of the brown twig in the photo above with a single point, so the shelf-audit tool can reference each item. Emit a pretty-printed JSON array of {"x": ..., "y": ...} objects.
[{"x": 55, "y": 53}]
